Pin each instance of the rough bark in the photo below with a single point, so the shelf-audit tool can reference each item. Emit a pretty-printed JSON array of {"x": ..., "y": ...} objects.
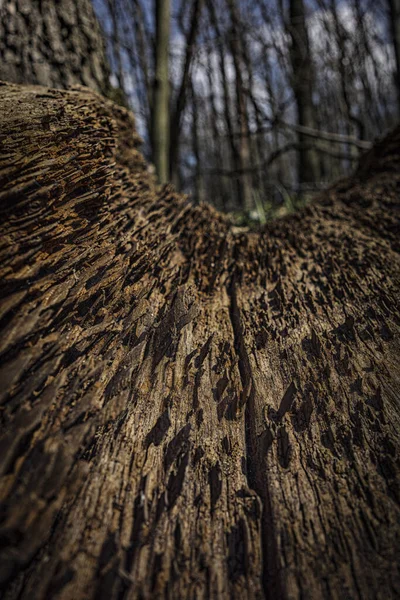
[
  {"x": 55, "y": 44},
  {"x": 189, "y": 411}
]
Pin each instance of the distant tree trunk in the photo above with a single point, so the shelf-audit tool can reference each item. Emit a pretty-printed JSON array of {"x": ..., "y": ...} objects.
[
  {"x": 50, "y": 43},
  {"x": 188, "y": 410},
  {"x": 236, "y": 47},
  {"x": 395, "y": 25},
  {"x": 161, "y": 112},
  {"x": 116, "y": 44},
  {"x": 184, "y": 88},
  {"x": 198, "y": 177},
  {"x": 348, "y": 73},
  {"x": 141, "y": 61},
  {"x": 302, "y": 73},
  {"x": 219, "y": 143},
  {"x": 234, "y": 152}
]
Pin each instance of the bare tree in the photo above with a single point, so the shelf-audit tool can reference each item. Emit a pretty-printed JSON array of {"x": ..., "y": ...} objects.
[
  {"x": 258, "y": 96},
  {"x": 303, "y": 82},
  {"x": 236, "y": 43},
  {"x": 185, "y": 86},
  {"x": 161, "y": 109}
]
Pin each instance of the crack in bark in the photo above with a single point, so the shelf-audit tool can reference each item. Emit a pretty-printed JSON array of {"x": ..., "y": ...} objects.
[{"x": 256, "y": 469}]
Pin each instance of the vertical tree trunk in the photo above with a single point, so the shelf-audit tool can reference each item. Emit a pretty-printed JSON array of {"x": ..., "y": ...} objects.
[
  {"x": 236, "y": 47},
  {"x": 234, "y": 152},
  {"x": 198, "y": 183},
  {"x": 188, "y": 411},
  {"x": 221, "y": 149},
  {"x": 116, "y": 44},
  {"x": 394, "y": 6},
  {"x": 302, "y": 73},
  {"x": 184, "y": 88},
  {"x": 161, "y": 112},
  {"x": 52, "y": 43}
]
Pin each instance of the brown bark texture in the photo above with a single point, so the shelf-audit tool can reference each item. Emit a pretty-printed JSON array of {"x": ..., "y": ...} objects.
[
  {"x": 189, "y": 410},
  {"x": 51, "y": 43}
]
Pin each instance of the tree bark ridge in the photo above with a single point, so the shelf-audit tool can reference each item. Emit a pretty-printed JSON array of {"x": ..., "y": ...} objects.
[{"x": 56, "y": 44}]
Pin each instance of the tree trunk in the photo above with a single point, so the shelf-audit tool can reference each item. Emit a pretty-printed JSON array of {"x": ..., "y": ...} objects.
[
  {"x": 236, "y": 42},
  {"x": 302, "y": 86},
  {"x": 240, "y": 200},
  {"x": 161, "y": 116},
  {"x": 189, "y": 411},
  {"x": 184, "y": 89},
  {"x": 394, "y": 8},
  {"x": 55, "y": 44}
]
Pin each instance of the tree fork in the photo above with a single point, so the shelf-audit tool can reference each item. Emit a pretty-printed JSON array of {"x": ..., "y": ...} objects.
[{"x": 187, "y": 410}]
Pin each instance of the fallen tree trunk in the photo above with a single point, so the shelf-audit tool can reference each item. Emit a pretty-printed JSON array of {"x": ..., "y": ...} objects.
[{"x": 190, "y": 411}]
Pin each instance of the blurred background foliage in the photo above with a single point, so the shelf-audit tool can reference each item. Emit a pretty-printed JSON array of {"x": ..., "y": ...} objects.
[{"x": 269, "y": 101}]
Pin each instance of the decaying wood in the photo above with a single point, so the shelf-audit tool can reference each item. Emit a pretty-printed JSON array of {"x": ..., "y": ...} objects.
[{"x": 189, "y": 410}]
